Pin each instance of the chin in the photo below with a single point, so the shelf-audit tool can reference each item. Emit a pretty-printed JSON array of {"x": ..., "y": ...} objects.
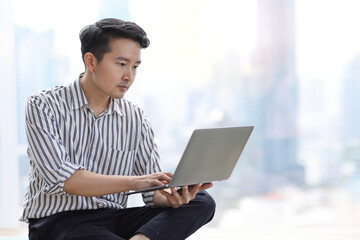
[{"x": 118, "y": 96}]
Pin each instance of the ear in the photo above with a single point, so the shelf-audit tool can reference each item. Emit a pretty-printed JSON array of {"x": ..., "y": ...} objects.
[{"x": 90, "y": 61}]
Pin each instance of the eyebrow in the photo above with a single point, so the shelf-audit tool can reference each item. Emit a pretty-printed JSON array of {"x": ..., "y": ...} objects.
[{"x": 127, "y": 60}]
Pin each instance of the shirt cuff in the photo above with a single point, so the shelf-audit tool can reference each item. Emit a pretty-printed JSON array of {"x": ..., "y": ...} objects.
[
  {"x": 148, "y": 198},
  {"x": 67, "y": 169}
]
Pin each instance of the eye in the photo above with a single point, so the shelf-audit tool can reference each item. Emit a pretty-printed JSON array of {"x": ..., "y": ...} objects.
[
  {"x": 136, "y": 66},
  {"x": 121, "y": 64}
]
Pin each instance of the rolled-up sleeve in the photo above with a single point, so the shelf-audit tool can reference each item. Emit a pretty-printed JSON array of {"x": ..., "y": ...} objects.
[{"x": 46, "y": 150}]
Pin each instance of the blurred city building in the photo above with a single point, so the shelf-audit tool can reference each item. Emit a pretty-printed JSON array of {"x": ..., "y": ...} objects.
[{"x": 236, "y": 67}]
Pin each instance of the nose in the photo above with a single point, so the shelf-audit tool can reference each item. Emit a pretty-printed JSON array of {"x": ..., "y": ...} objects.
[{"x": 129, "y": 74}]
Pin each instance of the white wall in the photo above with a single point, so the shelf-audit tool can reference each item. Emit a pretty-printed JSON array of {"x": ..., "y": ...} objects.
[{"x": 9, "y": 179}]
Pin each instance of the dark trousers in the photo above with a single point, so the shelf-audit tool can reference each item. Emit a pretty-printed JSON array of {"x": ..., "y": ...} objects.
[{"x": 106, "y": 224}]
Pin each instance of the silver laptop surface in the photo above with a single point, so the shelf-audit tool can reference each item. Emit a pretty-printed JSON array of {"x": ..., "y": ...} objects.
[{"x": 210, "y": 155}]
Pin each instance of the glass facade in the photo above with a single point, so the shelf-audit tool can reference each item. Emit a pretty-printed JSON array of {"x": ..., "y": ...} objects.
[{"x": 287, "y": 67}]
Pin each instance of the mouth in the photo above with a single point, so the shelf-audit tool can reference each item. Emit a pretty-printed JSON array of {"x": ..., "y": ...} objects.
[{"x": 123, "y": 87}]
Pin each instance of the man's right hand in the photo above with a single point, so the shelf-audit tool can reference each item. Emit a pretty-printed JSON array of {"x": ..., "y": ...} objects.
[
  {"x": 152, "y": 180},
  {"x": 89, "y": 184}
]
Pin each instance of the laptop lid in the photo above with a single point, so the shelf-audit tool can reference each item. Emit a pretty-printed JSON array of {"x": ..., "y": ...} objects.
[{"x": 210, "y": 155}]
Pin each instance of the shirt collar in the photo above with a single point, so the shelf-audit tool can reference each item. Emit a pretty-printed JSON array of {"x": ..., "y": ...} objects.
[
  {"x": 115, "y": 106},
  {"x": 78, "y": 95},
  {"x": 79, "y": 100}
]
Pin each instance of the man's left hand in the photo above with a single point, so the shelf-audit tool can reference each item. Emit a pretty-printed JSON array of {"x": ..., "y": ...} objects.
[{"x": 176, "y": 198}]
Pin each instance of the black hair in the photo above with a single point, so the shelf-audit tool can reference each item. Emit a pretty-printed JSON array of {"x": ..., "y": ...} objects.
[{"x": 95, "y": 38}]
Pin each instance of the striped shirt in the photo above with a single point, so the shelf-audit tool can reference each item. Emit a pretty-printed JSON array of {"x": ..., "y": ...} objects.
[{"x": 64, "y": 135}]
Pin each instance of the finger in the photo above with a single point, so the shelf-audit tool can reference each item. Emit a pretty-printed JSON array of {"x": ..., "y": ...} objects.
[
  {"x": 165, "y": 193},
  {"x": 161, "y": 176},
  {"x": 206, "y": 186},
  {"x": 156, "y": 182},
  {"x": 185, "y": 190},
  {"x": 186, "y": 196},
  {"x": 180, "y": 199},
  {"x": 175, "y": 193},
  {"x": 165, "y": 176},
  {"x": 194, "y": 190},
  {"x": 169, "y": 197}
]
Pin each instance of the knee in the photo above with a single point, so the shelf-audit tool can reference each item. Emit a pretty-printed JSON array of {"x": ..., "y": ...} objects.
[
  {"x": 207, "y": 203},
  {"x": 207, "y": 199}
]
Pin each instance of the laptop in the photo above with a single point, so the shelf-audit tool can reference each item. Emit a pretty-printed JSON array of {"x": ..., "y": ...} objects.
[{"x": 210, "y": 155}]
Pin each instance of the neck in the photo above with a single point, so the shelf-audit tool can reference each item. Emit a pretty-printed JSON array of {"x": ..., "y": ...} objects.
[{"x": 97, "y": 100}]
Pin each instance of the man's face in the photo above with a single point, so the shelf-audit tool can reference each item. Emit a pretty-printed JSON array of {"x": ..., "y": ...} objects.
[{"x": 116, "y": 72}]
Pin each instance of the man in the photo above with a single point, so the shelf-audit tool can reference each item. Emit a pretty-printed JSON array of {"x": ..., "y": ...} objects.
[{"x": 88, "y": 146}]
